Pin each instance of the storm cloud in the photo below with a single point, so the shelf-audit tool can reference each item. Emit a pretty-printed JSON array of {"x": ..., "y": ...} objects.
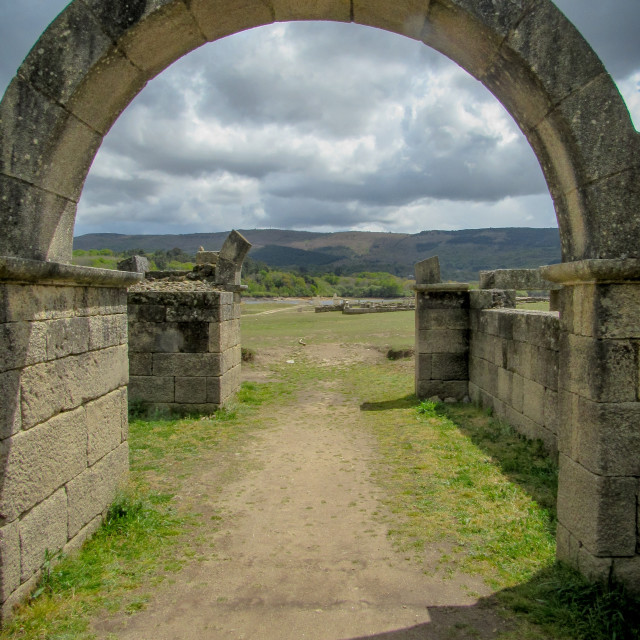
[{"x": 321, "y": 126}]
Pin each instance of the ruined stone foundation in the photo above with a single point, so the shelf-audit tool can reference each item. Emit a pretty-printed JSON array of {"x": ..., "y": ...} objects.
[{"x": 184, "y": 350}]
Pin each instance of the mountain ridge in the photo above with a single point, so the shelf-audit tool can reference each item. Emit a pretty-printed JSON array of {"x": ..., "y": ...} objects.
[{"x": 462, "y": 253}]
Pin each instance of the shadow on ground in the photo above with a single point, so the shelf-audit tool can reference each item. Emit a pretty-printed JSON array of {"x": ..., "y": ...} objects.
[
  {"x": 405, "y": 402},
  {"x": 477, "y": 622}
]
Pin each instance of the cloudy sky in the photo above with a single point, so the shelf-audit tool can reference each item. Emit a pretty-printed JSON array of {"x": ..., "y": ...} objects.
[{"x": 322, "y": 127}]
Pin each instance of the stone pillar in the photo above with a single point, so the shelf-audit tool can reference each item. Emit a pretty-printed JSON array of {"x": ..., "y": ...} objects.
[
  {"x": 442, "y": 340},
  {"x": 184, "y": 350},
  {"x": 63, "y": 410},
  {"x": 599, "y": 431}
]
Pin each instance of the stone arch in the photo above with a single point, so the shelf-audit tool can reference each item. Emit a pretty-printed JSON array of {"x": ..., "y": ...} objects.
[
  {"x": 96, "y": 56},
  {"x": 67, "y": 325}
]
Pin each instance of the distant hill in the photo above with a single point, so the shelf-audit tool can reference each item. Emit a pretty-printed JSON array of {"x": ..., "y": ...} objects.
[{"x": 462, "y": 253}]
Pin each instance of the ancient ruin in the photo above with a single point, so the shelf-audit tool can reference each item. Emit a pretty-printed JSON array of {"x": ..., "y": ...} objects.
[
  {"x": 184, "y": 335},
  {"x": 64, "y": 365}
]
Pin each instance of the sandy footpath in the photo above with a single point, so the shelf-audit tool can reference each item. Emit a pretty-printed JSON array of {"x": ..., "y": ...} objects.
[{"x": 303, "y": 551}]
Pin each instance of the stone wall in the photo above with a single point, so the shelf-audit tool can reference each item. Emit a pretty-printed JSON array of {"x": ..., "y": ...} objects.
[
  {"x": 184, "y": 350},
  {"x": 570, "y": 379},
  {"x": 63, "y": 415},
  {"x": 442, "y": 341},
  {"x": 513, "y": 368}
]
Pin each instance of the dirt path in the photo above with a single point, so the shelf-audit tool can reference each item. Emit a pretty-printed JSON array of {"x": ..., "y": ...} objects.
[{"x": 303, "y": 551}]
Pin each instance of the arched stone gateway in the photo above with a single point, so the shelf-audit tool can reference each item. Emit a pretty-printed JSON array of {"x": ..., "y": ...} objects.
[{"x": 62, "y": 422}]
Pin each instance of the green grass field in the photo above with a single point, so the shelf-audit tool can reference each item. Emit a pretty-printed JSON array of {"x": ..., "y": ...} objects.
[{"x": 395, "y": 329}]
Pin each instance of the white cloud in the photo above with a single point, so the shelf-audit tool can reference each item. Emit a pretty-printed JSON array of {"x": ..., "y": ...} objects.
[{"x": 323, "y": 126}]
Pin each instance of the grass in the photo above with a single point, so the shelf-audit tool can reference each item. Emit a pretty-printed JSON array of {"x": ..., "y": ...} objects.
[
  {"x": 141, "y": 529},
  {"x": 377, "y": 330},
  {"x": 147, "y": 532},
  {"x": 444, "y": 469}
]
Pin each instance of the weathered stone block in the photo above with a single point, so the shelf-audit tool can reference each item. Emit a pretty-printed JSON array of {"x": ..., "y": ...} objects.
[
  {"x": 475, "y": 393},
  {"x": 538, "y": 328},
  {"x": 139, "y": 264},
  {"x": 147, "y": 312},
  {"x": 223, "y": 335},
  {"x": 51, "y": 387},
  {"x": 605, "y": 150},
  {"x": 562, "y": 65},
  {"x": 513, "y": 279},
  {"x": 602, "y": 311},
  {"x": 18, "y": 597},
  {"x": 65, "y": 149},
  {"x": 66, "y": 336},
  {"x": 544, "y": 367},
  {"x": 91, "y": 493},
  {"x": 187, "y": 364},
  {"x": 231, "y": 358},
  {"x": 191, "y": 390},
  {"x": 599, "y": 511},
  {"x": 443, "y": 319},
  {"x": 140, "y": 364},
  {"x": 38, "y": 461},
  {"x": 528, "y": 428},
  {"x": 450, "y": 366},
  {"x": 442, "y": 300},
  {"x": 551, "y": 410},
  {"x": 107, "y": 331},
  {"x": 486, "y": 376},
  {"x": 335, "y": 10},
  {"x": 612, "y": 231},
  {"x": 602, "y": 370},
  {"x": 153, "y": 388},
  {"x": 480, "y": 345},
  {"x": 21, "y": 208},
  {"x": 443, "y": 341},
  {"x": 150, "y": 337},
  {"x": 567, "y": 546},
  {"x": 104, "y": 301},
  {"x": 592, "y": 567},
  {"x": 81, "y": 537},
  {"x": 9, "y": 560},
  {"x": 10, "y": 413},
  {"x": 169, "y": 337},
  {"x": 423, "y": 366},
  {"x": 43, "y": 528},
  {"x": 627, "y": 571},
  {"x": 428, "y": 271},
  {"x": 606, "y": 438},
  {"x": 499, "y": 15},
  {"x": 161, "y": 37},
  {"x": 186, "y": 313},
  {"x": 221, "y": 388},
  {"x": 505, "y": 383},
  {"x": 207, "y": 257},
  {"x": 492, "y": 299},
  {"x": 104, "y": 424},
  {"x": 218, "y": 19},
  {"x": 65, "y": 53},
  {"x": 517, "y": 392},
  {"x": 534, "y": 401},
  {"x": 459, "y": 35},
  {"x": 23, "y": 344},
  {"x": 457, "y": 389}
]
